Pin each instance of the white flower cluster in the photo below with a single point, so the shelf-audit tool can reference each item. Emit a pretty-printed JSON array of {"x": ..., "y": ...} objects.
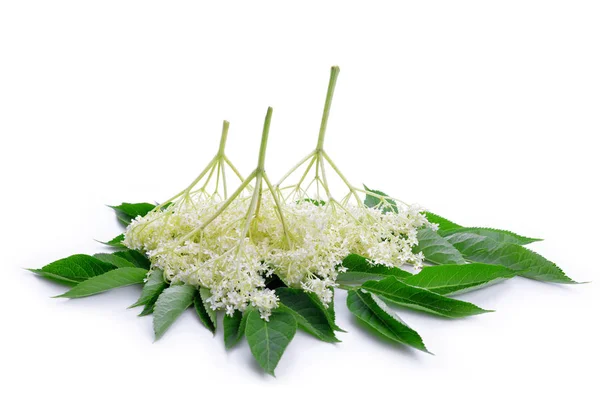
[{"x": 191, "y": 246}]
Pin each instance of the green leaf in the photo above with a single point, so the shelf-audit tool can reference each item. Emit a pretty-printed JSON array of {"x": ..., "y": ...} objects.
[
  {"x": 171, "y": 303},
  {"x": 313, "y": 201},
  {"x": 148, "y": 308},
  {"x": 116, "y": 242},
  {"x": 498, "y": 235},
  {"x": 437, "y": 249},
  {"x": 386, "y": 205},
  {"x": 109, "y": 280},
  {"x": 74, "y": 269},
  {"x": 359, "y": 268},
  {"x": 207, "y": 315},
  {"x": 233, "y": 328},
  {"x": 329, "y": 311},
  {"x": 268, "y": 340},
  {"x": 447, "y": 227},
  {"x": 526, "y": 262},
  {"x": 375, "y": 313},
  {"x": 454, "y": 279},
  {"x": 128, "y": 211},
  {"x": 420, "y": 299},
  {"x": 152, "y": 289},
  {"x": 443, "y": 223},
  {"x": 134, "y": 257},
  {"x": 309, "y": 315},
  {"x": 115, "y": 260},
  {"x": 125, "y": 259}
]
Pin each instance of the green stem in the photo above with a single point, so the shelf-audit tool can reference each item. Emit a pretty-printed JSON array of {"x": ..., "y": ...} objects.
[
  {"x": 223, "y": 207},
  {"x": 233, "y": 168},
  {"x": 342, "y": 177},
  {"x": 263, "y": 142},
  {"x": 295, "y": 167},
  {"x": 335, "y": 70},
  {"x": 279, "y": 209},
  {"x": 222, "y": 164},
  {"x": 224, "y": 134}
]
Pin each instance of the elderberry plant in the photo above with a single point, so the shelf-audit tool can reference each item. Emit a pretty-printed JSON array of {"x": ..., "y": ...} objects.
[{"x": 270, "y": 255}]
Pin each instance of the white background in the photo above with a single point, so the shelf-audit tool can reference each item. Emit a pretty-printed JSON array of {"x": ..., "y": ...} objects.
[{"x": 483, "y": 111}]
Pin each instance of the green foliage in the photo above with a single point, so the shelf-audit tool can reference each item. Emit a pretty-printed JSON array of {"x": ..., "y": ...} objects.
[
  {"x": 437, "y": 249},
  {"x": 171, "y": 303},
  {"x": 125, "y": 259},
  {"x": 310, "y": 316},
  {"x": 233, "y": 328},
  {"x": 526, "y": 262},
  {"x": 134, "y": 257},
  {"x": 454, "y": 279},
  {"x": 127, "y": 211},
  {"x": 443, "y": 223},
  {"x": 112, "y": 258},
  {"x": 74, "y": 269},
  {"x": 314, "y": 202},
  {"x": 268, "y": 340},
  {"x": 329, "y": 311},
  {"x": 152, "y": 289},
  {"x": 375, "y": 313},
  {"x": 207, "y": 315},
  {"x": 386, "y": 205},
  {"x": 109, "y": 280},
  {"x": 359, "y": 269},
  {"x": 498, "y": 235},
  {"x": 420, "y": 299},
  {"x": 116, "y": 242}
]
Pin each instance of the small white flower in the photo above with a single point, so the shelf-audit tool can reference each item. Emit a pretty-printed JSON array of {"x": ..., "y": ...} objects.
[{"x": 306, "y": 254}]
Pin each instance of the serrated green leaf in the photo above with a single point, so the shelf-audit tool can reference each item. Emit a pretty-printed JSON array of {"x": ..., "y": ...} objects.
[
  {"x": 109, "y": 280},
  {"x": 454, "y": 279},
  {"x": 443, "y": 223},
  {"x": 526, "y": 262},
  {"x": 386, "y": 205},
  {"x": 207, "y": 315},
  {"x": 134, "y": 257},
  {"x": 171, "y": 303},
  {"x": 329, "y": 310},
  {"x": 233, "y": 329},
  {"x": 205, "y": 295},
  {"x": 115, "y": 260},
  {"x": 116, "y": 242},
  {"x": 268, "y": 340},
  {"x": 498, "y": 235},
  {"x": 55, "y": 278},
  {"x": 447, "y": 227},
  {"x": 74, "y": 269},
  {"x": 437, "y": 249},
  {"x": 309, "y": 315},
  {"x": 125, "y": 259},
  {"x": 153, "y": 287},
  {"x": 128, "y": 211},
  {"x": 148, "y": 308},
  {"x": 420, "y": 299},
  {"x": 375, "y": 313},
  {"x": 359, "y": 269}
]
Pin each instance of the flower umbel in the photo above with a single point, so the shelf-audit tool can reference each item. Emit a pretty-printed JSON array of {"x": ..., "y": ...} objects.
[{"x": 300, "y": 233}]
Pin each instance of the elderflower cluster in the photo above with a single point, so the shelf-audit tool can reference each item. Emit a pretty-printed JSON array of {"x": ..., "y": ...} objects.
[{"x": 303, "y": 243}]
